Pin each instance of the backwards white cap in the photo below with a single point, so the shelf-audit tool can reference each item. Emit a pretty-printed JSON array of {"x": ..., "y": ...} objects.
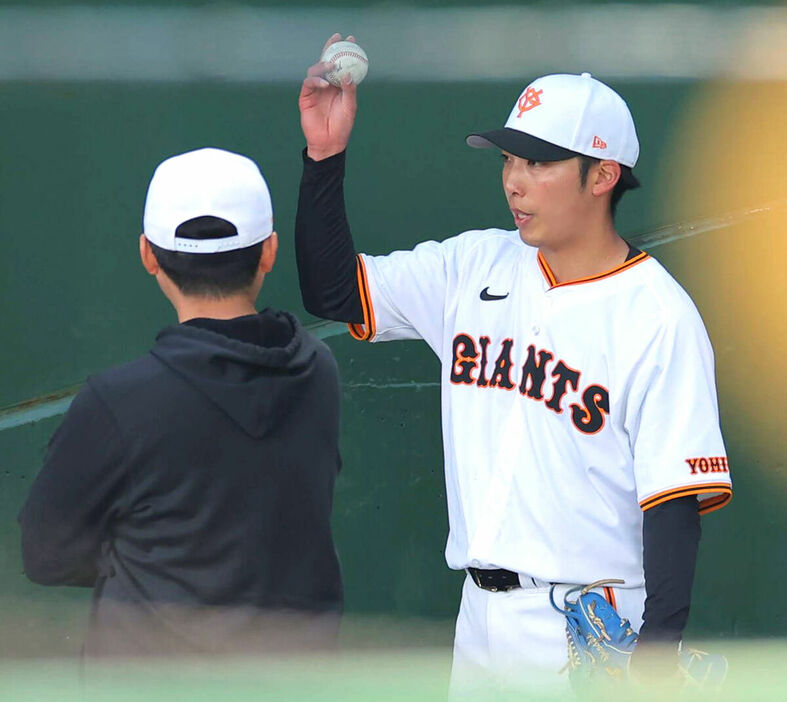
[
  {"x": 562, "y": 115},
  {"x": 208, "y": 183}
]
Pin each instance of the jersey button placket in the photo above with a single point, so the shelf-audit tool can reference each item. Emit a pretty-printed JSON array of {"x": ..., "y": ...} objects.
[{"x": 546, "y": 305}]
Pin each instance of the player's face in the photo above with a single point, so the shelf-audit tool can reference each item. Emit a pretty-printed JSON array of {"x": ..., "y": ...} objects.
[{"x": 546, "y": 200}]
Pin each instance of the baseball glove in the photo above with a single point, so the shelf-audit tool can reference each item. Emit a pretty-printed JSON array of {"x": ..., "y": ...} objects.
[{"x": 600, "y": 643}]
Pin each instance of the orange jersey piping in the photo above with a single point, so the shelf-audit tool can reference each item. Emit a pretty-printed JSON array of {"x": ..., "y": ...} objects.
[
  {"x": 367, "y": 330},
  {"x": 714, "y": 503},
  {"x": 547, "y": 271},
  {"x": 609, "y": 596},
  {"x": 552, "y": 280},
  {"x": 705, "y": 506}
]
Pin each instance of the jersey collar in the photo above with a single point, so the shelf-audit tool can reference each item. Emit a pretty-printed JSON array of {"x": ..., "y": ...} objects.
[{"x": 552, "y": 280}]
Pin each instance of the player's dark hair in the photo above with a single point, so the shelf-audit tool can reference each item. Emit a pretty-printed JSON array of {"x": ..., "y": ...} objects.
[
  {"x": 585, "y": 162},
  {"x": 213, "y": 275}
]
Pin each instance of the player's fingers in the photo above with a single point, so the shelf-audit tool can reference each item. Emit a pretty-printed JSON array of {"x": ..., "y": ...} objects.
[
  {"x": 351, "y": 38},
  {"x": 332, "y": 40},
  {"x": 313, "y": 83},
  {"x": 320, "y": 68},
  {"x": 349, "y": 89}
]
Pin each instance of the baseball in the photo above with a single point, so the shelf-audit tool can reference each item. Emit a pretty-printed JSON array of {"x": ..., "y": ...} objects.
[{"x": 348, "y": 58}]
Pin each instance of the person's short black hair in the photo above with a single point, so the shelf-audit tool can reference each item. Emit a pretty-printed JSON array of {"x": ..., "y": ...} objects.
[
  {"x": 585, "y": 162},
  {"x": 213, "y": 275}
]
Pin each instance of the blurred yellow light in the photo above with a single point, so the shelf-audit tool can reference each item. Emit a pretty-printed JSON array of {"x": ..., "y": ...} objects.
[{"x": 729, "y": 153}]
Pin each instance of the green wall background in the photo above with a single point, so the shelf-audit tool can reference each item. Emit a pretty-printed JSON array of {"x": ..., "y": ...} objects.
[
  {"x": 74, "y": 164},
  {"x": 368, "y": 3}
]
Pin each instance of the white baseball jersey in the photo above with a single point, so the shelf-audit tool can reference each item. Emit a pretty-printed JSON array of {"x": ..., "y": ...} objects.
[{"x": 567, "y": 409}]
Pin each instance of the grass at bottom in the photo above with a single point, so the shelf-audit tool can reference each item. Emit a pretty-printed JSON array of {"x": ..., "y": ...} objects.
[{"x": 756, "y": 674}]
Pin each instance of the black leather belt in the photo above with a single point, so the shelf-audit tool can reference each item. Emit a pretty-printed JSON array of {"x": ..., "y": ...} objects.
[{"x": 495, "y": 580}]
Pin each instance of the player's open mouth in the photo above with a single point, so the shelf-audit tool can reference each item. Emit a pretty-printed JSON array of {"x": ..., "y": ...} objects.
[{"x": 521, "y": 218}]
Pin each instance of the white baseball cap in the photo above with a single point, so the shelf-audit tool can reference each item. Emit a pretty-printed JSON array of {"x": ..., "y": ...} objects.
[
  {"x": 207, "y": 183},
  {"x": 562, "y": 115}
]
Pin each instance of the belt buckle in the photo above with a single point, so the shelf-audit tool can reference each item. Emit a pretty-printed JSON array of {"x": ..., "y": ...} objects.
[{"x": 475, "y": 574}]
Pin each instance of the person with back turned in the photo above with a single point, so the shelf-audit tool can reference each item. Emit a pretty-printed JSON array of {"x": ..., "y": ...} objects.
[{"x": 192, "y": 487}]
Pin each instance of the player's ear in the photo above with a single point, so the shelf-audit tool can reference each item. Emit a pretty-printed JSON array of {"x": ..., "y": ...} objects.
[
  {"x": 146, "y": 255},
  {"x": 607, "y": 176},
  {"x": 268, "y": 255}
]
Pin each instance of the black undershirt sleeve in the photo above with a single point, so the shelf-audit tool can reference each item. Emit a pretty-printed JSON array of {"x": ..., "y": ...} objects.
[
  {"x": 670, "y": 535},
  {"x": 324, "y": 248}
]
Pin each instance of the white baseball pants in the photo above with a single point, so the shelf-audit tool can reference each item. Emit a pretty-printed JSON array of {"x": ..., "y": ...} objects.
[{"x": 516, "y": 640}]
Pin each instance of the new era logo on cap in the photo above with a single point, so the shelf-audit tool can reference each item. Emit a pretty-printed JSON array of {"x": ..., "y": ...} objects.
[
  {"x": 208, "y": 183},
  {"x": 599, "y": 143}
]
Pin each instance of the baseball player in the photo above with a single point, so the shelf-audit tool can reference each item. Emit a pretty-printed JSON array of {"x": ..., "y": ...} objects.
[
  {"x": 192, "y": 487},
  {"x": 579, "y": 414}
]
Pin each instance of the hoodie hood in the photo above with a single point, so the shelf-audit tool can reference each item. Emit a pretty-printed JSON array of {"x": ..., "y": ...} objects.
[{"x": 254, "y": 384}]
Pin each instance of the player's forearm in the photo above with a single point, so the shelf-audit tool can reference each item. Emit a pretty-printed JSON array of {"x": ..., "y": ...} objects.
[
  {"x": 671, "y": 534},
  {"x": 323, "y": 244}
]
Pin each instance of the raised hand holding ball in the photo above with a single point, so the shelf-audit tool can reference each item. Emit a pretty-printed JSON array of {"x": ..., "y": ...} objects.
[{"x": 328, "y": 105}]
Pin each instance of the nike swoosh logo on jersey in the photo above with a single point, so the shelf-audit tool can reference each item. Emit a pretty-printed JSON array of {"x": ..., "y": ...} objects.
[{"x": 486, "y": 295}]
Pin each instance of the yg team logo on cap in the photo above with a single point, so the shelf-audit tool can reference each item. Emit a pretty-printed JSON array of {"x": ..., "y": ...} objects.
[{"x": 528, "y": 100}]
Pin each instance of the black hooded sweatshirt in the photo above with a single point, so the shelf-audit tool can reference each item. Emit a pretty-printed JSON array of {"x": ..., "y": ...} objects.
[{"x": 197, "y": 479}]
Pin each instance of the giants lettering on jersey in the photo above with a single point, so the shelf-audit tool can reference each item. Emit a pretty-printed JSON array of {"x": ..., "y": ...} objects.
[{"x": 472, "y": 365}]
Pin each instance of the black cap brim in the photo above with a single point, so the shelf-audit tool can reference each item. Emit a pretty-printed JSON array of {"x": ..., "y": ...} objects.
[
  {"x": 520, "y": 144},
  {"x": 527, "y": 146}
]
